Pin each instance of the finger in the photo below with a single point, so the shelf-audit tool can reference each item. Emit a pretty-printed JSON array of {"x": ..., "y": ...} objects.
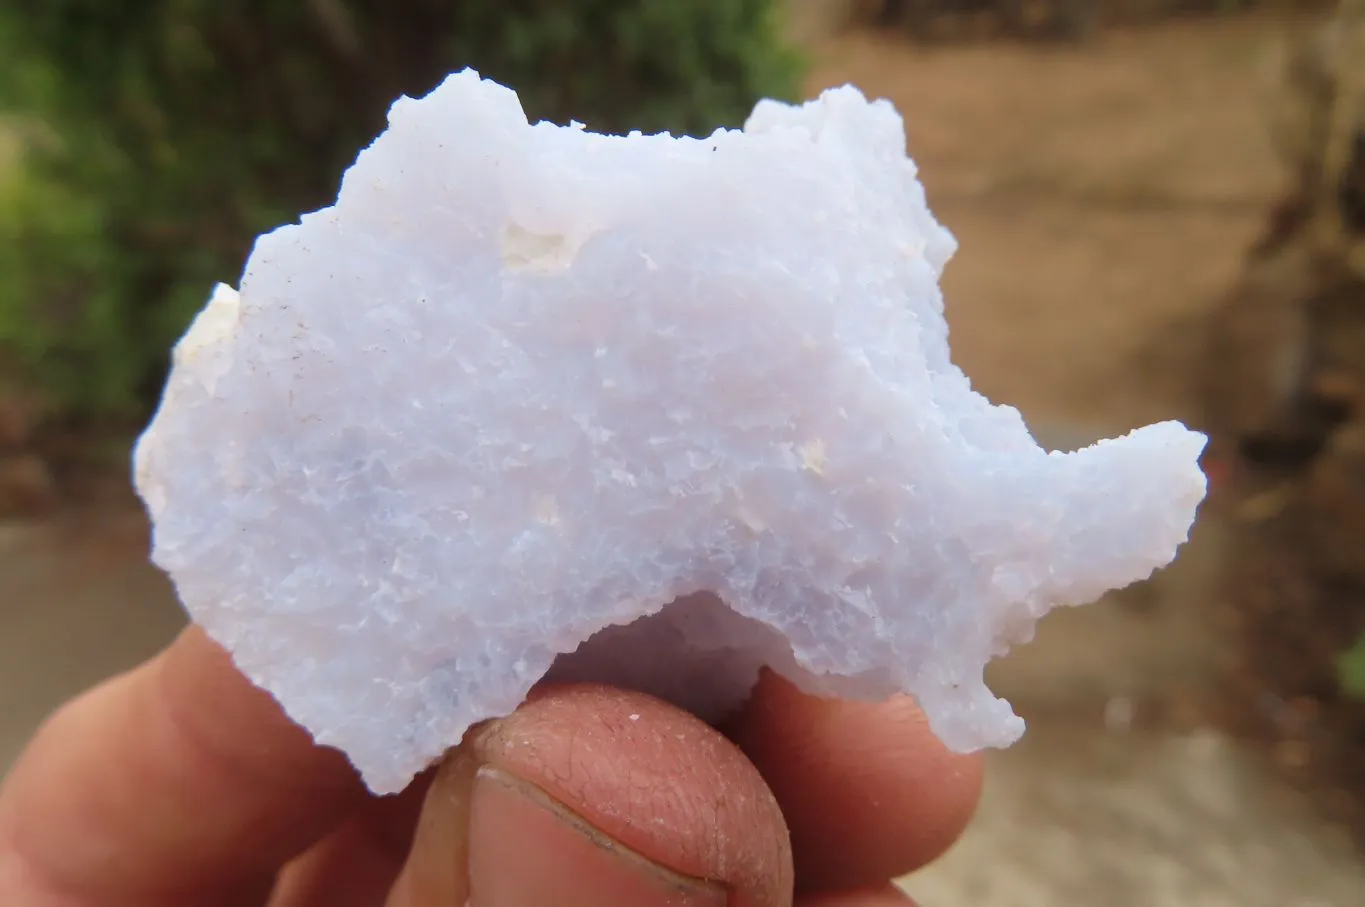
[
  {"x": 868, "y": 791},
  {"x": 593, "y": 796},
  {"x": 348, "y": 868},
  {"x": 883, "y": 896},
  {"x": 167, "y": 785},
  {"x": 356, "y": 865}
]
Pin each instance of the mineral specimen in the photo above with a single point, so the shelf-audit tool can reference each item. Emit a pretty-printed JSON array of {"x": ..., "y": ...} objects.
[{"x": 529, "y": 401}]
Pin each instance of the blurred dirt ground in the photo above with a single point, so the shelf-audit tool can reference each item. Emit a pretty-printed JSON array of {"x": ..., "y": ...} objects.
[{"x": 1104, "y": 195}]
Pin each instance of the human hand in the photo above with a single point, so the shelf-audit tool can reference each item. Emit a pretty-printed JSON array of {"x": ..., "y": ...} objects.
[{"x": 179, "y": 784}]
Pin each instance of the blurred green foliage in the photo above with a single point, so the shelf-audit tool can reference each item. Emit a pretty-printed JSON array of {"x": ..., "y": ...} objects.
[
  {"x": 1351, "y": 667},
  {"x": 160, "y": 137}
]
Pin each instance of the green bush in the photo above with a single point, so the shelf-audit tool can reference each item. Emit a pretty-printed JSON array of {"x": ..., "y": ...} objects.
[
  {"x": 174, "y": 131},
  {"x": 1352, "y": 670}
]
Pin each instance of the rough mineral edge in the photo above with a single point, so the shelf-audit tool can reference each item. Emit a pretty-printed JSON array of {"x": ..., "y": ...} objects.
[{"x": 525, "y": 383}]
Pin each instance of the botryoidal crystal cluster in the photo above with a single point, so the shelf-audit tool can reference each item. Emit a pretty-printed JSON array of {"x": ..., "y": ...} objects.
[{"x": 530, "y": 401}]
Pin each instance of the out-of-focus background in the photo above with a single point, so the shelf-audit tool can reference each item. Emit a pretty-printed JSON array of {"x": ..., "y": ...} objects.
[{"x": 1161, "y": 208}]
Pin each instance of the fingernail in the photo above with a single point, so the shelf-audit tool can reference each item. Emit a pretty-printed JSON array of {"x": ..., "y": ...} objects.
[{"x": 528, "y": 850}]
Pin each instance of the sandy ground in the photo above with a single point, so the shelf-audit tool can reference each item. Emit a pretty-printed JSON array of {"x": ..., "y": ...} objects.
[{"x": 1103, "y": 196}]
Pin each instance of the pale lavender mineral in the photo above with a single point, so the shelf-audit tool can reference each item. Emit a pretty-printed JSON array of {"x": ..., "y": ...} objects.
[{"x": 522, "y": 387}]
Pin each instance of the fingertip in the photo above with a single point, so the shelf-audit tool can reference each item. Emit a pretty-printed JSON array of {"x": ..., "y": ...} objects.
[
  {"x": 597, "y": 796},
  {"x": 868, "y": 791},
  {"x": 653, "y": 777}
]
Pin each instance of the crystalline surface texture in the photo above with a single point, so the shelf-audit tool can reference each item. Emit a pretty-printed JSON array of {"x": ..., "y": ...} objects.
[{"x": 525, "y": 383}]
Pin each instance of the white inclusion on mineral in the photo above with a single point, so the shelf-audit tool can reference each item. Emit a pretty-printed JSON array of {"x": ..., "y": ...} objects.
[{"x": 657, "y": 411}]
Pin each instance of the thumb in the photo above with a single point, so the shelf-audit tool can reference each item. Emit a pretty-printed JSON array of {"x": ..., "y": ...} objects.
[{"x": 594, "y": 796}]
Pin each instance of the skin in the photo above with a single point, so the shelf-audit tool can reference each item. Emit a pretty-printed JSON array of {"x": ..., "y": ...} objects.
[{"x": 179, "y": 783}]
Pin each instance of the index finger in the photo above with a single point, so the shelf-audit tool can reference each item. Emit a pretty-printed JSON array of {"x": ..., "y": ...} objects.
[
  {"x": 868, "y": 791},
  {"x": 175, "y": 783}
]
